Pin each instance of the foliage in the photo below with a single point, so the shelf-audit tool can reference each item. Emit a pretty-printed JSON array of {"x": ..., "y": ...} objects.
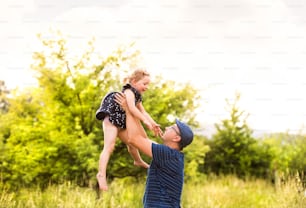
[
  {"x": 49, "y": 133},
  {"x": 288, "y": 153},
  {"x": 298, "y": 161},
  {"x": 194, "y": 155},
  {"x": 233, "y": 149}
]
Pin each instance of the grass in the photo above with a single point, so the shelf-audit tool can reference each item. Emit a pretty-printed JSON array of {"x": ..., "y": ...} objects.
[
  {"x": 223, "y": 192},
  {"x": 231, "y": 192}
]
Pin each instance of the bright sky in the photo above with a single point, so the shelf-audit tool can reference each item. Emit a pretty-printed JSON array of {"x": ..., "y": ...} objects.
[{"x": 255, "y": 47}]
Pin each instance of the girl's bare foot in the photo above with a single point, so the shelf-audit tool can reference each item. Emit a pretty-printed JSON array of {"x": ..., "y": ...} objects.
[
  {"x": 141, "y": 164},
  {"x": 102, "y": 182}
]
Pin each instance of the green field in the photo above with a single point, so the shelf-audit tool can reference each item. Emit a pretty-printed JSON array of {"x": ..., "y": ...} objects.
[{"x": 220, "y": 192}]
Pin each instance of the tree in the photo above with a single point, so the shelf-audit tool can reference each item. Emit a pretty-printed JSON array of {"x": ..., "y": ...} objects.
[
  {"x": 287, "y": 153},
  {"x": 53, "y": 134},
  {"x": 233, "y": 149},
  {"x": 298, "y": 161},
  {"x": 5, "y": 132},
  {"x": 194, "y": 161}
]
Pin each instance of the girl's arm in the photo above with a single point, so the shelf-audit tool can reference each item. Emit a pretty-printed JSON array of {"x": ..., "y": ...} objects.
[
  {"x": 130, "y": 98},
  {"x": 156, "y": 127},
  {"x": 144, "y": 112}
]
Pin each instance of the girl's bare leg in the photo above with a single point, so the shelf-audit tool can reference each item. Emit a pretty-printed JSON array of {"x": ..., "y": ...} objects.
[
  {"x": 136, "y": 156},
  {"x": 110, "y": 134},
  {"x": 132, "y": 150}
]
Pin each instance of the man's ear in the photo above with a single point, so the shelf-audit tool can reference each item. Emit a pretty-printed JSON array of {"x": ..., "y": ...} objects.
[{"x": 177, "y": 138}]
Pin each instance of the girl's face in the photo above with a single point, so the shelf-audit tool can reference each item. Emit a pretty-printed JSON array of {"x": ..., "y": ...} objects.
[{"x": 141, "y": 85}]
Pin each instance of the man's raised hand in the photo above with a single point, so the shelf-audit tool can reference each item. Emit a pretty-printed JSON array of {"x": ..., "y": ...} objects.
[{"x": 121, "y": 100}]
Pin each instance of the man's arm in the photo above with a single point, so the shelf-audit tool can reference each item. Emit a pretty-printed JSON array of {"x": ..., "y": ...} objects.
[{"x": 137, "y": 136}]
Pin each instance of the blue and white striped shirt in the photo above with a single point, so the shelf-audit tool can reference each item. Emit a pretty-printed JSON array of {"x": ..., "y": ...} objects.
[{"x": 165, "y": 178}]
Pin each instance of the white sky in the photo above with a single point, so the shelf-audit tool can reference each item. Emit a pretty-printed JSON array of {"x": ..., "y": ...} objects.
[{"x": 254, "y": 47}]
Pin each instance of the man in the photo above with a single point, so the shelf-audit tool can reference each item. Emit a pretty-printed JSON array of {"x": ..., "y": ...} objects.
[{"x": 166, "y": 173}]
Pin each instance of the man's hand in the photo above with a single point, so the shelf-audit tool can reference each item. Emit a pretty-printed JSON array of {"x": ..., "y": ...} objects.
[
  {"x": 157, "y": 130},
  {"x": 121, "y": 100}
]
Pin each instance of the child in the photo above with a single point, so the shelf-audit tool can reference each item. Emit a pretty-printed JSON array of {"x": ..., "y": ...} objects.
[{"x": 114, "y": 121}]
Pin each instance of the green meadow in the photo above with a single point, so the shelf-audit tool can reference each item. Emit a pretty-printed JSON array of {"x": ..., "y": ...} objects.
[{"x": 218, "y": 192}]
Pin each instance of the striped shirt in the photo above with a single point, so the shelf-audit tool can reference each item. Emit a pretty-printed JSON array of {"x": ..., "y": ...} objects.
[{"x": 165, "y": 178}]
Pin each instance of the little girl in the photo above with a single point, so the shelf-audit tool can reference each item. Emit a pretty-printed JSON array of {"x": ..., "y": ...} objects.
[{"x": 114, "y": 121}]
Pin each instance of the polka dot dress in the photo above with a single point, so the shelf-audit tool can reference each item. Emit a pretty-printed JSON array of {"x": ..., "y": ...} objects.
[{"x": 110, "y": 108}]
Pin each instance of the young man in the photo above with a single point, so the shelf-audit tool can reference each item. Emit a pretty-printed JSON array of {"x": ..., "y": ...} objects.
[{"x": 166, "y": 173}]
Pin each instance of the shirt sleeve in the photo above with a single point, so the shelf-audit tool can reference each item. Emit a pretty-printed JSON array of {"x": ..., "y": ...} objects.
[
  {"x": 161, "y": 154},
  {"x": 168, "y": 160}
]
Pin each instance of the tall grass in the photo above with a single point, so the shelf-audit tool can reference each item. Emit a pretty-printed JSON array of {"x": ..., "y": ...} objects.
[
  {"x": 223, "y": 192},
  {"x": 231, "y": 192}
]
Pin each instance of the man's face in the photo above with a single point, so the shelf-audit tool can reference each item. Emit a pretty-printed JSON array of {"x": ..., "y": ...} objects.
[{"x": 171, "y": 131}]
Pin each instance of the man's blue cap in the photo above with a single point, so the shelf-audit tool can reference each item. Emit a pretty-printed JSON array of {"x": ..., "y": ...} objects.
[{"x": 186, "y": 133}]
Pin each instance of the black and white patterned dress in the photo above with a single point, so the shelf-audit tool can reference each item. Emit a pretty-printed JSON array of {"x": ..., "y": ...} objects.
[{"x": 110, "y": 108}]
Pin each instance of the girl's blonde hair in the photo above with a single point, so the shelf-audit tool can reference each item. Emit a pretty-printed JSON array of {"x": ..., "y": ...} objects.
[{"x": 137, "y": 75}]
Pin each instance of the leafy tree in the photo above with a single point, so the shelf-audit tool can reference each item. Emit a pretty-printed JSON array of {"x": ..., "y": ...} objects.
[
  {"x": 233, "y": 149},
  {"x": 4, "y": 130},
  {"x": 52, "y": 134},
  {"x": 194, "y": 155},
  {"x": 298, "y": 162},
  {"x": 287, "y": 155}
]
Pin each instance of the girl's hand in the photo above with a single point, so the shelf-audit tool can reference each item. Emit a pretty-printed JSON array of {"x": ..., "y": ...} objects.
[{"x": 157, "y": 130}]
